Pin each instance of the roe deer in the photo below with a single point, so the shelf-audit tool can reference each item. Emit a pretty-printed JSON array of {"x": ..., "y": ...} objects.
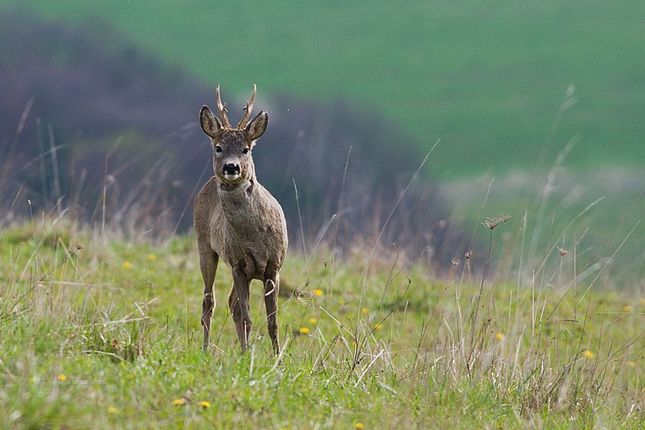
[{"x": 237, "y": 219}]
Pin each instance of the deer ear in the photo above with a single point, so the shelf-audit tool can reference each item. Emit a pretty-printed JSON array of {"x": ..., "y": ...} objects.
[
  {"x": 257, "y": 126},
  {"x": 210, "y": 124}
]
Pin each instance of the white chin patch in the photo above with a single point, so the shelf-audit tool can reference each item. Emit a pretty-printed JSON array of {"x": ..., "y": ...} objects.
[{"x": 231, "y": 176}]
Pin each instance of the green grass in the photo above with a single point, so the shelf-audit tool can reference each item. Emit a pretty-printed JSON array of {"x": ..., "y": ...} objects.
[
  {"x": 99, "y": 331},
  {"x": 601, "y": 212},
  {"x": 486, "y": 77}
]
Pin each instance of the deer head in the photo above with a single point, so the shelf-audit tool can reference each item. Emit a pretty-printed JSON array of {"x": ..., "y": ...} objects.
[{"x": 232, "y": 160}]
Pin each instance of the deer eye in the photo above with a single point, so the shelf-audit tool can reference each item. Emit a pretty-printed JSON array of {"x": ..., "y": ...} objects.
[
  {"x": 218, "y": 149},
  {"x": 245, "y": 151}
]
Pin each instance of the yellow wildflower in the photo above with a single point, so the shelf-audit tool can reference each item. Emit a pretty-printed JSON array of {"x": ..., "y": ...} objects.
[
  {"x": 378, "y": 327},
  {"x": 365, "y": 311},
  {"x": 359, "y": 426},
  {"x": 318, "y": 292},
  {"x": 204, "y": 404},
  {"x": 179, "y": 402},
  {"x": 127, "y": 265},
  {"x": 587, "y": 354},
  {"x": 112, "y": 410},
  {"x": 499, "y": 336},
  {"x": 62, "y": 377},
  {"x": 313, "y": 321},
  {"x": 303, "y": 330},
  {"x": 627, "y": 308},
  {"x": 151, "y": 257}
]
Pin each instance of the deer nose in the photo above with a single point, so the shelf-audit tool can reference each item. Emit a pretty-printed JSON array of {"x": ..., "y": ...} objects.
[{"x": 231, "y": 168}]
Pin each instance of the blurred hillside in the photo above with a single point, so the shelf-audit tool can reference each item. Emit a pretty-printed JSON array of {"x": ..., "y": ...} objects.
[
  {"x": 108, "y": 94},
  {"x": 486, "y": 77},
  {"x": 112, "y": 133}
]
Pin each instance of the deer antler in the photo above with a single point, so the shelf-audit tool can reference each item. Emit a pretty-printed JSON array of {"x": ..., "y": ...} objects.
[
  {"x": 222, "y": 109},
  {"x": 247, "y": 109}
]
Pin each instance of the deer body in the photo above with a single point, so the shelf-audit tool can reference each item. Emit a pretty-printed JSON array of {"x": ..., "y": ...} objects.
[{"x": 236, "y": 219}]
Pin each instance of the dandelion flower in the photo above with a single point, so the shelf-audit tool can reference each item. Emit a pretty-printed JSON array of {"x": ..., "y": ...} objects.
[
  {"x": 359, "y": 426},
  {"x": 303, "y": 330},
  {"x": 62, "y": 377},
  {"x": 365, "y": 311},
  {"x": 378, "y": 327},
  {"x": 627, "y": 308},
  {"x": 151, "y": 257},
  {"x": 112, "y": 410},
  {"x": 499, "y": 336},
  {"x": 318, "y": 292},
  {"x": 313, "y": 321},
  {"x": 204, "y": 404},
  {"x": 179, "y": 402},
  {"x": 127, "y": 265},
  {"x": 587, "y": 354}
]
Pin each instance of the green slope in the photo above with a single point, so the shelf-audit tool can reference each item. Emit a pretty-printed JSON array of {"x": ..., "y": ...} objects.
[{"x": 486, "y": 77}]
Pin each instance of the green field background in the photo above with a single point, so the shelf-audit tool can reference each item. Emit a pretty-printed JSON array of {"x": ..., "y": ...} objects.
[{"x": 488, "y": 78}]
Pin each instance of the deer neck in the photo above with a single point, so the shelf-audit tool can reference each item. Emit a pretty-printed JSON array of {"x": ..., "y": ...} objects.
[
  {"x": 235, "y": 190},
  {"x": 238, "y": 200}
]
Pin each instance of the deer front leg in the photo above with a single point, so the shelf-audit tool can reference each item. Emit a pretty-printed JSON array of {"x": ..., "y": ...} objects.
[
  {"x": 271, "y": 287},
  {"x": 208, "y": 266},
  {"x": 239, "y": 303}
]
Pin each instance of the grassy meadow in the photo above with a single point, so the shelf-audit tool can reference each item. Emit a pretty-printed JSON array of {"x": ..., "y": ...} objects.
[
  {"x": 101, "y": 330},
  {"x": 538, "y": 109}
]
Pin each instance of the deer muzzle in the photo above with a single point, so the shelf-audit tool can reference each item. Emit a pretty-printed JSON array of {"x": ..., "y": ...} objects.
[{"x": 231, "y": 171}]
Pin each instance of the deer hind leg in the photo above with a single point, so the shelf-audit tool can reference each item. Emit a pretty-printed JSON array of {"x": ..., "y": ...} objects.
[
  {"x": 239, "y": 303},
  {"x": 208, "y": 265},
  {"x": 271, "y": 288}
]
